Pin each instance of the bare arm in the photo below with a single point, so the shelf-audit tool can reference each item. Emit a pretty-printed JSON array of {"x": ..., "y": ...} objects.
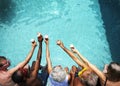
[
  {"x": 39, "y": 56},
  {"x": 91, "y": 66},
  {"x": 71, "y": 54},
  {"x": 72, "y": 73},
  {"x": 23, "y": 63},
  {"x": 48, "y": 56},
  {"x": 74, "y": 50}
]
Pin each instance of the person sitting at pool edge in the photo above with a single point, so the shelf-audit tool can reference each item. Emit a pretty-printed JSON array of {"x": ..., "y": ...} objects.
[
  {"x": 111, "y": 77},
  {"x": 5, "y": 74},
  {"x": 57, "y": 75},
  {"x": 88, "y": 77},
  {"x": 31, "y": 80},
  {"x": 92, "y": 76}
]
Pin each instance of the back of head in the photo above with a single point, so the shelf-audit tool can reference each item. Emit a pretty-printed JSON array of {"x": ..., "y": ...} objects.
[
  {"x": 91, "y": 80},
  {"x": 17, "y": 76},
  {"x": 113, "y": 71},
  {"x": 58, "y": 74}
]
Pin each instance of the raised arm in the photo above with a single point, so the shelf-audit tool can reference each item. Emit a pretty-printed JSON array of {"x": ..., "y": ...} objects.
[
  {"x": 48, "y": 55},
  {"x": 91, "y": 66},
  {"x": 39, "y": 56},
  {"x": 71, "y": 54},
  {"x": 74, "y": 50},
  {"x": 27, "y": 59}
]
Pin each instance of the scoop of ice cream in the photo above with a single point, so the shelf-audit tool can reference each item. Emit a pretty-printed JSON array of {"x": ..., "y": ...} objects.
[
  {"x": 32, "y": 40},
  {"x": 71, "y": 46},
  {"x": 46, "y": 37},
  {"x": 39, "y": 34}
]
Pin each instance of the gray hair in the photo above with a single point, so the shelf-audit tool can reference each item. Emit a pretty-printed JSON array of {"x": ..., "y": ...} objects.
[
  {"x": 91, "y": 80},
  {"x": 58, "y": 74}
]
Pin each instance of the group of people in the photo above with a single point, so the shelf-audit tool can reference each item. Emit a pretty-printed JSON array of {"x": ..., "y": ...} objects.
[{"x": 85, "y": 74}]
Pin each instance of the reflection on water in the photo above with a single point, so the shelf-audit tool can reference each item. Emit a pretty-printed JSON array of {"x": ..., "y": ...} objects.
[
  {"x": 28, "y": 12},
  {"x": 7, "y": 11},
  {"x": 75, "y": 22}
]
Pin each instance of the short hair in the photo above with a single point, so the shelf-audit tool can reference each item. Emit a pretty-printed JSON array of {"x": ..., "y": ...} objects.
[
  {"x": 58, "y": 74},
  {"x": 17, "y": 76},
  {"x": 90, "y": 82},
  {"x": 113, "y": 71},
  {"x": 2, "y": 58}
]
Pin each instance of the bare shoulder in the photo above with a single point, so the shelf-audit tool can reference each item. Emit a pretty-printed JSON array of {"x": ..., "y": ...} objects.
[
  {"x": 109, "y": 83},
  {"x": 5, "y": 79},
  {"x": 5, "y": 74}
]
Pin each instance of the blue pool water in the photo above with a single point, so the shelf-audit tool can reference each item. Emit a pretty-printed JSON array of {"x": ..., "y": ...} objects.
[{"x": 75, "y": 22}]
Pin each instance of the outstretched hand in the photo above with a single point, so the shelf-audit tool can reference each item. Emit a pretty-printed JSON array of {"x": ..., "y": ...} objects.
[
  {"x": 73, "y": 48},
  {"x": 34, "y": 44},
  {"x": 40, "y": 37},
  {"x": 60, "y": 43},
  {"x": 46, "y": 39}
]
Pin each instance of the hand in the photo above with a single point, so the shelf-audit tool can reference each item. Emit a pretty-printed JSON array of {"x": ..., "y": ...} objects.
[
  {"x": 40, "y": 37},
  {"x": 60, "y": 43},
  {"x": 34, "y": 44},
  {"x": 46, "y": 39},
  {"x": 73, "y": 48}
]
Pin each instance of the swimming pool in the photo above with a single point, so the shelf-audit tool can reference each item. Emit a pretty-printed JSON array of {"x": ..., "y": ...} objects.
[{"x": 75, "y": 22}]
